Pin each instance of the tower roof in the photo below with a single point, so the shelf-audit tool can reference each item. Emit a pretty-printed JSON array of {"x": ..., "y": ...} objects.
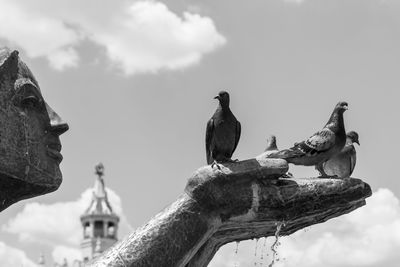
[{"x": 99, "y": 204}]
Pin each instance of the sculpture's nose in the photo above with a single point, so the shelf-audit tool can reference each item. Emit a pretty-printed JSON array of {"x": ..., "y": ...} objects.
[{"x": 57, "y": 125}]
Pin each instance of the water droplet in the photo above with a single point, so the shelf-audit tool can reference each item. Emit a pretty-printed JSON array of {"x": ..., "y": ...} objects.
[
  {"x": 236, "y": 254},
  {"x": 255, "y": 252},
  {"x": 263, "y": 250},
  {"x": 237, "y": 247}
]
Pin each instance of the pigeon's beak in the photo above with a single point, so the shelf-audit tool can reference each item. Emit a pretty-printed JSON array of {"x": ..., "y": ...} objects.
[
  {"x": 358, "y": 142},
  {"x": 216, "y": 97},
  {"x": 345, "y": 107}
]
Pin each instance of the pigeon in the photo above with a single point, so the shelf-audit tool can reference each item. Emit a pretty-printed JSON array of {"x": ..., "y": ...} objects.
[
  {"x": 343, "y": 163},
  {"x": 273, "y": 148},
  {"x": 271, "y": 145},
  {"x": 321, "y": 146},
  {"x": 222, "y": 133}
]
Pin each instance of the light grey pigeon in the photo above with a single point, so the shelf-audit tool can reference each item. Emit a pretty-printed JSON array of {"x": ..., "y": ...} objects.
[
  {"x": 321, "y": 146},
  {"x": 271, "y": 145},
  {"x": 222, "y": 133},
  {"x": 273, "y": 148},
  {"x": 343, "y": 163}
]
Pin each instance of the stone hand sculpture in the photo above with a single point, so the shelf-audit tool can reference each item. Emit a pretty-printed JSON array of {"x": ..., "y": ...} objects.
[
  {"x": 239, "y": 201},
  {"x": 29, "y": 134}
]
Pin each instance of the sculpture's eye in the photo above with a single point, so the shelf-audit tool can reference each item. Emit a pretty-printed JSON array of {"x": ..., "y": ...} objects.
[
  {"x": 30, "y": 102},
  {"x": 28, "y": 97}
]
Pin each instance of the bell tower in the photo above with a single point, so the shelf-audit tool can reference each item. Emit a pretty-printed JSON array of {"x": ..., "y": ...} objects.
[{"x": 99, "y": 222}]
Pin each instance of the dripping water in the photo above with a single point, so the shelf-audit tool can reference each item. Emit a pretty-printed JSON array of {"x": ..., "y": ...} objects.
[
  {"x": 255, "y": 252},
  {"x": 276, "y": 243},
  {"x": 263, "y": 250},
  {"x": 236, "y": 254}
]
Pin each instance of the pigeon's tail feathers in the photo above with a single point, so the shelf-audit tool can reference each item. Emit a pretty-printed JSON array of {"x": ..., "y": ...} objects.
[
  {"x": 287, "y": 153},
  {"x": 209, "y": 159},
  {"x": 209, "y": 136}
]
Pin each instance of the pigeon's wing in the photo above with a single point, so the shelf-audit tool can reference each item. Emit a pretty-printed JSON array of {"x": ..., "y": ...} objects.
[
  {"x": 237, "y": 135},
  {"x": 209, "y": 135},
  {"x": 319, "y": 142},
  {"x": 353, "y": 159}
]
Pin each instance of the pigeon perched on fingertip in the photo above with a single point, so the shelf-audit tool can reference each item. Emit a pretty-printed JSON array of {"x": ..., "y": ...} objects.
[
  {"x": 222, "y": 133},
  {"x": 271, "y": 145},
  {"x": 273, "y": 148},
  {"x": 342, "y": 164},
  {"x": 321, "y": 146}
]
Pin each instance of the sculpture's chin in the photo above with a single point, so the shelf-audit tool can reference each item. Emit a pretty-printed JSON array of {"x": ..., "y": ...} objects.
[{"x": 13, "y": 190}]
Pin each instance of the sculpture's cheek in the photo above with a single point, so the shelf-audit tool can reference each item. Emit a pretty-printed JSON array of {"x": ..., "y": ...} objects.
[
  {"x": 24, "y": 160},
  {"x": 42, "y": 152},
  {"x": 12, "y": 143}
]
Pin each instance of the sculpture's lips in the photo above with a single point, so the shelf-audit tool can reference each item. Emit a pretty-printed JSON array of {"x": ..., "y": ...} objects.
[{"x": 53, "y": 150}]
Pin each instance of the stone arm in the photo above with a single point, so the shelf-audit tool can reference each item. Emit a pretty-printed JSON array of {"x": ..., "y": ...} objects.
[{"x": 240, "y": 201}]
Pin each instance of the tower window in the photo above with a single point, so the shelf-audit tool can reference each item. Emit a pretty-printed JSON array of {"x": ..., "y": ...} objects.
[
  {"x": 111, "y": 230},
  {"x": 86, "y": 231},
  {"x": 98, "y": 229}
]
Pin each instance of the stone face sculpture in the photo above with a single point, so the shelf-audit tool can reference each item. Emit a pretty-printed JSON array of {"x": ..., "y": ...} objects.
[
  {"x": 242, "y": 200},
  {"x": 29, "y": 134}
]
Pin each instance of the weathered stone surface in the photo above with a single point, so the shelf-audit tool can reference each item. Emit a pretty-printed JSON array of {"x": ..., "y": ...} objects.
[
  {"x": 29, "y": 134},
  {"x": 296, "y": 202},
  {"x": 230, "y": 186},
  {"x": 241, "y": 201},
  {"x": 169, "y": 239}
]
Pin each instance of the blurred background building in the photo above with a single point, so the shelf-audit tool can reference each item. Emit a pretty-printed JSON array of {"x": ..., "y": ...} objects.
[{"x": 99, "y": 225}]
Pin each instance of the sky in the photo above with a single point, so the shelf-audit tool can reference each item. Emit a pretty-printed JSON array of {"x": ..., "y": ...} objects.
[{"x": 135, "y": 80}]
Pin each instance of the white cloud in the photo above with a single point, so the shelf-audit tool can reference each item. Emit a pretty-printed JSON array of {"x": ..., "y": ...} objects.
[
  {"x": 61, "y": 253},
  {"x": 10, "y": 256},
  {"x": 139, "y": 36},
  {"x": 64, "y": 58},
  {"x": 369, "y": 236},
  {"x": 58, "y": 224},
  {"x": 151, "y": 37},
  {"x": 39, "y": 36}
]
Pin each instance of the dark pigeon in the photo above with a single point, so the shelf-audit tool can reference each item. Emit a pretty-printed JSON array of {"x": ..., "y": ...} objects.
[
  {"x": 222, "y": 133},
  {"x": 342, "y": 164},
  {"x": 321, "y": 146}
]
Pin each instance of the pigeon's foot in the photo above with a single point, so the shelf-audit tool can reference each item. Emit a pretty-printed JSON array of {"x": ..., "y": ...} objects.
[
  {"x": 220, "y": 161},
  {"x": 322, "y": 173},
  {"x": 287, "y": 175},
  {"x": 228, "y": 160},
  {"x": 215, "y": 163}
]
